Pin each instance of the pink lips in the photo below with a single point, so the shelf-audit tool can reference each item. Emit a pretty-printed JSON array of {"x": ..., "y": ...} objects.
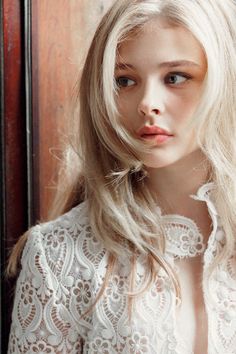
[{"x": 154, "y": 133}]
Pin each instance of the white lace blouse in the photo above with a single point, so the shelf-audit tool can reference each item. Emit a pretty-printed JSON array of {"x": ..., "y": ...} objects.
[{"x": 63, "y": 268}]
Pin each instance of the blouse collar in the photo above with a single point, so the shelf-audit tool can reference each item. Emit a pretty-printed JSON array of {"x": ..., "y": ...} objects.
[{"x": 183, "y": 237}]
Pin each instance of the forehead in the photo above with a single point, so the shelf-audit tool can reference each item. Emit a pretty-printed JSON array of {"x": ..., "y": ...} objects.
[{"x": 163, "y": 41}]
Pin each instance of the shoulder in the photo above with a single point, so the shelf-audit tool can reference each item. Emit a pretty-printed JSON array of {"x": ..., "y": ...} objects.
[
  {"x": 70, "y": 224},
  {"x": 63, "y": 243},
  {"x": 75, "y": 218}
]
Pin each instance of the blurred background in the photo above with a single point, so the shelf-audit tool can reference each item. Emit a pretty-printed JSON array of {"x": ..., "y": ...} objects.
[{"x": 43, "y": 46}]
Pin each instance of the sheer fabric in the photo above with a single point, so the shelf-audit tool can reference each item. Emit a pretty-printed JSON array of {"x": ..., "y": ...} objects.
[{"x": 63, "y": 269}]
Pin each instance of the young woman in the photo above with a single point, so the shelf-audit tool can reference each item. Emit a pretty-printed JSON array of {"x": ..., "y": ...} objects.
[{"x": 143, "y": 258}]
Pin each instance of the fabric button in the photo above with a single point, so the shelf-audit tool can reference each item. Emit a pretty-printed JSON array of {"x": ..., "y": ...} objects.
[{"x": 220, "y": 235}]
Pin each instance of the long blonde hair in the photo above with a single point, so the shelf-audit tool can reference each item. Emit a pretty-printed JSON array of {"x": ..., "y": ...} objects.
[{"x": 101, "y": 164}]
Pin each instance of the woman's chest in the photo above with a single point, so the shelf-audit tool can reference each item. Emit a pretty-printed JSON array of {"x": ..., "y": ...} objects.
[
  {"x": 152, "y": 323},
  {"x": 191, "y": 315}
]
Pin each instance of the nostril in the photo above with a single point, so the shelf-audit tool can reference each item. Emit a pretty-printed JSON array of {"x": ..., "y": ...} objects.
[
  {"x": 156, "y": 111},
  {"x": 147, "y": 111}
]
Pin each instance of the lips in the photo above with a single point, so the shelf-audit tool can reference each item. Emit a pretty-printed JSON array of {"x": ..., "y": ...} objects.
[{"x": 149, "y": 132}]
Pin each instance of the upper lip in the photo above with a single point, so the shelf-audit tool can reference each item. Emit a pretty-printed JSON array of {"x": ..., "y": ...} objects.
[{"x": 153, "y": 130}]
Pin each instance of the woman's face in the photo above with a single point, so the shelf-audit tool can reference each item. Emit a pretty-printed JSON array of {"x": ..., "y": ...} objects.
[{"x": 160, "y": 74}]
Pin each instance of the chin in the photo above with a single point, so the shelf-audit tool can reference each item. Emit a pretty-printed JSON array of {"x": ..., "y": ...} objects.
[{"x": 161, "y": 162}]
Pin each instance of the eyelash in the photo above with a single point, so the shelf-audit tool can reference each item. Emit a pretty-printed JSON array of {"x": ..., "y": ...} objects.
[
  {"x": 120, "y": 78},
  {"x": 183, "y": 75}
]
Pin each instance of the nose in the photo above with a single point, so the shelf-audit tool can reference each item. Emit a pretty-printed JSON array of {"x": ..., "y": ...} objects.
[{"x": 151, "y": 102}]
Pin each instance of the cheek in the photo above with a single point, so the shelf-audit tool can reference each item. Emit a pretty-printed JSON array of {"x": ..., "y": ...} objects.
[
  {"x": 190, "y": 141},
  {"x": 183, "y": 108},
  {"x": 191, "y": 101}
]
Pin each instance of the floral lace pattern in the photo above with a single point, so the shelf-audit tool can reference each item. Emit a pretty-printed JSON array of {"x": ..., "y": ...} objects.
[
  {"x": 182, "y": 237},
  {"x": 63, "y": 270}
]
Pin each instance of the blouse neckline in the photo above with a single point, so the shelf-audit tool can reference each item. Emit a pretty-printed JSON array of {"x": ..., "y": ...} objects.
[{"x": 182, "y": 235}]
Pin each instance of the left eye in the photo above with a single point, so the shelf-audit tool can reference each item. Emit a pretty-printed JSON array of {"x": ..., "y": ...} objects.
[
  {"x": 176, "y": 79},
  {"x": 124, "y": 82}
]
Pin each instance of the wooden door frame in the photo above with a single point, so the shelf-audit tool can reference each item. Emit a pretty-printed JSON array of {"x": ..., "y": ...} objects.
[{"x": 16, "y": 177}]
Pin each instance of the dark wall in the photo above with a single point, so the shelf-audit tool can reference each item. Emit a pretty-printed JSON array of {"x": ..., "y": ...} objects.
[{"x": 13, "y": 177}]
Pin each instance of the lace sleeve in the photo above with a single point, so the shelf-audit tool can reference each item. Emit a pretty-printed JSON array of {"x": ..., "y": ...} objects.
[{"x": 41, "y": 322}]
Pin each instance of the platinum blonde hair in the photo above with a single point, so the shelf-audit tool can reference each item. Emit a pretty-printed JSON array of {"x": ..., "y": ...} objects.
[{"x": 103, "y": 166}]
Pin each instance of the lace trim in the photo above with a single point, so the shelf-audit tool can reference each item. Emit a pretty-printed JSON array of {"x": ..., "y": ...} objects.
[
  {"x": 183, "y": 238},
  {"x": 63, "y": 269}
]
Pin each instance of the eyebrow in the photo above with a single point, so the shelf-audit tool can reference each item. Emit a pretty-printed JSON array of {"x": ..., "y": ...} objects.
[
  {"x": 172, "y": 64},
  {"x": 169, "y": 64},
  {"x": 123, "y": 66}
]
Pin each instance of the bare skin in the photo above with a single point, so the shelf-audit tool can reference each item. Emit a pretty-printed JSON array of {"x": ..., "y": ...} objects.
[{"x": 175, "y": 183}]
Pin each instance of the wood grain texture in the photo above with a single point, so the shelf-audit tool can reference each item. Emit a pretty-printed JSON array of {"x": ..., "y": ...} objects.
[
  {"x": 14, "y": 176},
  {"x": 14, "y": 120},
  {"x": 62, "y": 31}
]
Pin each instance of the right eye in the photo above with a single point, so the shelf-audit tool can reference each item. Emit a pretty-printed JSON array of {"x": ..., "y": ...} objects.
[{"x": 123, "y": 81}]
